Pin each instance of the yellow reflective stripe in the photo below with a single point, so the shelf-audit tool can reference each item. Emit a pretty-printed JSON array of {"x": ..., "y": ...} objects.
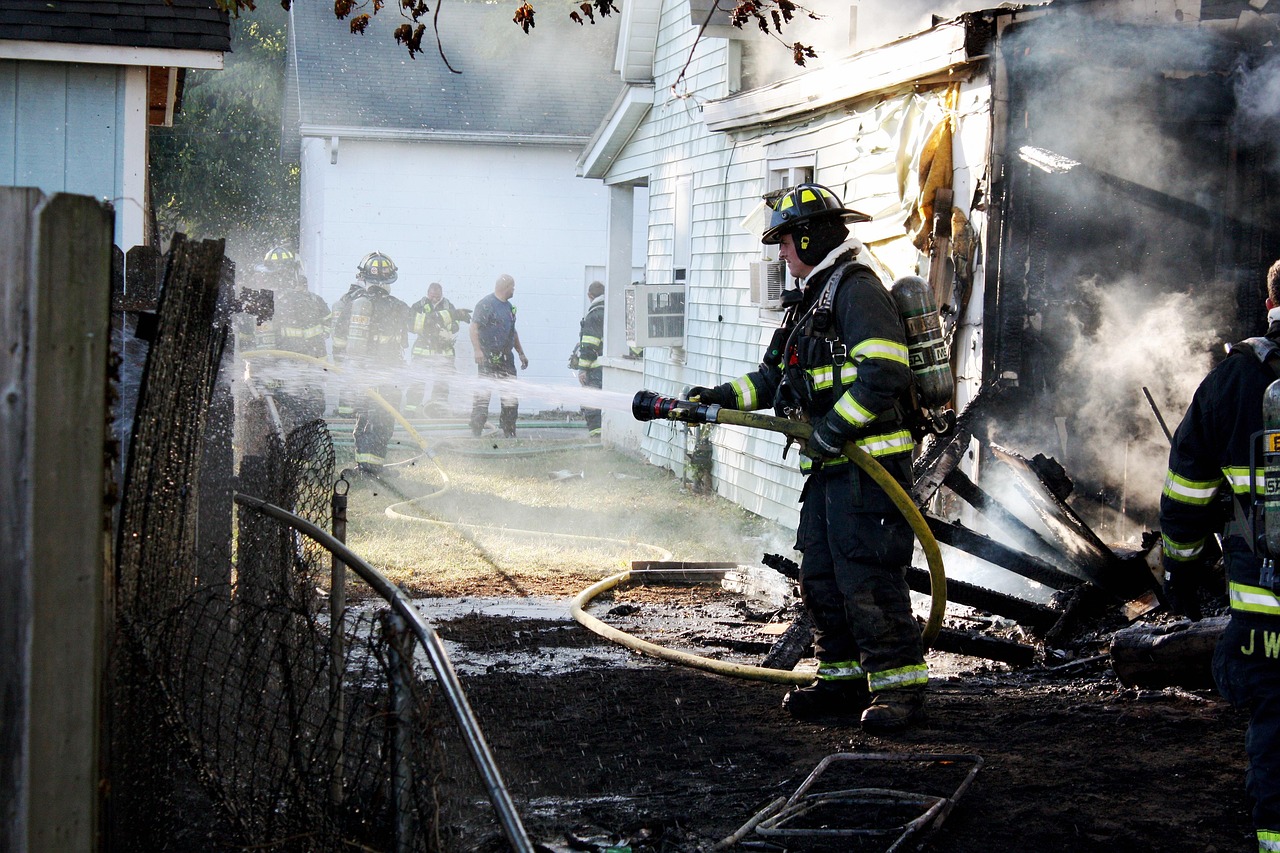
[
  {"x": 591, "y": 339},
  {"x": 1239, "y": 479},
  {"x": 907, "y": 676},
  {"x": 309, "y": 332},
  {"x": 880, "y": 348},
  {"x": 745, "y": 393},
  {"x": 372, "y": 458},
  {"x": 1193, "y": 492},
  {"x": 840, "y": 670},
  {"x": 1253, "y": 599},
  {"x": 888, "y": 443},
  {"x": 1182, "y": 551},
  {"x": 1268, "y": 841},
  {"x": 823, "y": 375},
  {"x": 852, "y": 413}
]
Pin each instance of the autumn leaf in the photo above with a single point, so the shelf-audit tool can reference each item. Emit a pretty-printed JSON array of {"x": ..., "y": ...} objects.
[
  {"x": 604, "y": 7},
  {"x": 359, "y": 23},
  {"x": 411, "y": 37},
  {"x": 800, "y": 52},
  {"x": 524, "y": 17},
  {"x": 588, "y": 11},
  {"x": 342, "y": 8}
]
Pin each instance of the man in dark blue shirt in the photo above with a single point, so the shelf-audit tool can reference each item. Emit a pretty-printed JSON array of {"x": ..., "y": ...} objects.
[{"x": 495, "y": 342}]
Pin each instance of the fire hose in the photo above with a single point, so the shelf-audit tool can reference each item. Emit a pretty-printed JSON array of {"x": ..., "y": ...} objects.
[{"x": 648, "y": 406}]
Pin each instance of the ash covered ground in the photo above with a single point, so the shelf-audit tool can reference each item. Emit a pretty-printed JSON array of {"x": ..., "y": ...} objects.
[{"x": 617, "y": 749}]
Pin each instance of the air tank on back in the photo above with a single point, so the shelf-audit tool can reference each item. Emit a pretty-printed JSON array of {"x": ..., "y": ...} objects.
[
  {"x": 1271, "y": 468},
  {"x": 927, "y": 350}
]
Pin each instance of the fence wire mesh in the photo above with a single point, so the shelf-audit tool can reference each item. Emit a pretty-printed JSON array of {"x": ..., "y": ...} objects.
[{"x": 237, "y": 720}]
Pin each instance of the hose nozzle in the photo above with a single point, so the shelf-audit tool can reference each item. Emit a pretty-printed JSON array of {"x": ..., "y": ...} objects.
[{"x": 648, "y": 406}]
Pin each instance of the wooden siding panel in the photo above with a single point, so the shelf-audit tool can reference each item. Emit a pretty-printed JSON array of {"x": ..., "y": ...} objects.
[
  {"x": 41, "y": 147},
  {"x": 8, "y": 121},
  {"x": 91, "y": 130}
]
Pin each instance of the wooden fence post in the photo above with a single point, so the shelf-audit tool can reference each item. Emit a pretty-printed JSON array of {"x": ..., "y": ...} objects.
[{"x": 55, "y": 257}]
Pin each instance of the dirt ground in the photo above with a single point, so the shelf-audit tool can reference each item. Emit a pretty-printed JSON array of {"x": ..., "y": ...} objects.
[
  {"x": 616, "y": 750},
  {"x": 657, "y": 756}
]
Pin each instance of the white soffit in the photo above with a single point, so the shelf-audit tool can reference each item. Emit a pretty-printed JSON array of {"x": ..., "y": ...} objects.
[
  {"x": 925, "y": 54},
  {"x": 638, "y": 40},
  {"x": 628, "y": 111},
  {"x": 101, "y": 54}
]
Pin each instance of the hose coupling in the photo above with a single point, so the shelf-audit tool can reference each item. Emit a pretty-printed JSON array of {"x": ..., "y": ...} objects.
[{"x": 648, "y": 406}]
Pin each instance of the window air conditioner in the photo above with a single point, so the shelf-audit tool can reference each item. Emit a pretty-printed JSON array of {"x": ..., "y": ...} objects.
[
  {"x": 768, "y": 278},
  {"x": 655, "y": 315}
]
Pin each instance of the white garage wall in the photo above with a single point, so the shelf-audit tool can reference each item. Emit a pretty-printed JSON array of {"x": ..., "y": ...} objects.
[{"x": 460, "y": 214}]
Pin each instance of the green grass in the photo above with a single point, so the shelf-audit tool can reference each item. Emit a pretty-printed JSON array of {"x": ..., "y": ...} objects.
[{"x": 502, "y": 524}]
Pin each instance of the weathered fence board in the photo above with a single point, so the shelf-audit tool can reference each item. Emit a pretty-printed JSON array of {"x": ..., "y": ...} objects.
[{"x": 56, "y": 257}]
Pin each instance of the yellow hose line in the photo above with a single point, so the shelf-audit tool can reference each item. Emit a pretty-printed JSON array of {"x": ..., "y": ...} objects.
[
  {"x": 865, "y": 461},
  {"x": 756, "y": 673}
]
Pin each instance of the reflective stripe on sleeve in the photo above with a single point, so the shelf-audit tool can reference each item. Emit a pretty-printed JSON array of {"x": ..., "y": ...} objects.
[
  {"x": 1193, "y": 492},
  {"x": 880, "y": 348},
  {"x": 852, "y": 413},
  {"x": 1268, "y": 841},
  {"x": 745, "y": 393},
  {"x": 1182, "y": 551}
]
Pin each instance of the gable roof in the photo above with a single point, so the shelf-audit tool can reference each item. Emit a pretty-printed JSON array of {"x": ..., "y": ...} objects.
[
  {"x": 553, "y": 85},
  {"x": 164, "y": 24}
]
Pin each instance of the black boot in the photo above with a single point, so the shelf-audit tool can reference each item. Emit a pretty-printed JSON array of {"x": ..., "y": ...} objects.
[
  {"x": 893, "y": 710},
  {"x": 827, "y": 698}
]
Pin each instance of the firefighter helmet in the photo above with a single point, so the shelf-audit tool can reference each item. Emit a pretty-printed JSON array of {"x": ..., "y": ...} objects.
[
  {"x": 279, "y": 258},
  {"x": 377, "y": 268},
  {"x": 805, "y": 204}
]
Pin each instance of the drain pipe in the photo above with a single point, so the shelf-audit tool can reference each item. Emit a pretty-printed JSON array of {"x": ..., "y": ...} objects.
[
  {"x": 647, "y": 406},
  {"x": 436, "y": 654}
]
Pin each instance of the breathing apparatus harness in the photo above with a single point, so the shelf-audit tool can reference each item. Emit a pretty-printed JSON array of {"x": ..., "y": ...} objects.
[
  {"x": 796, "y": 394},
  {"x": 1260, "y": 528}
]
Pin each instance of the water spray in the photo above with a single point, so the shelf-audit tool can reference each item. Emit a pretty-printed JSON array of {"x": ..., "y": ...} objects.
[{"x": 648, "y": 406}]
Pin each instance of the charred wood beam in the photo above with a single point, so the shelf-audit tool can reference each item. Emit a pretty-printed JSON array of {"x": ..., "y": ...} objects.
[
  {"x": 1177, "y": 655},
  {"x": 1025, "y": 537},
  {"x": 1086, "y": 553},
  {"x": 1028, "y": 613},
  {"x": 978, "y": 645},
  {"x": 993, "y": 552}
]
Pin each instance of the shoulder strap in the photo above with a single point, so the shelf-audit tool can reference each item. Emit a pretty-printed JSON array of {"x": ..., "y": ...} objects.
[{"x": 1264, "y": 349}]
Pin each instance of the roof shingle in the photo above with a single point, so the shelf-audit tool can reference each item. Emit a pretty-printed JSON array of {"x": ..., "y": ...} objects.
[{"x": 183, "y": 24}]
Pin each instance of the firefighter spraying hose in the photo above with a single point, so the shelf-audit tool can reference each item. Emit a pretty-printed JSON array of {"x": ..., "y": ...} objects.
[{"x": 648, "y": 406}]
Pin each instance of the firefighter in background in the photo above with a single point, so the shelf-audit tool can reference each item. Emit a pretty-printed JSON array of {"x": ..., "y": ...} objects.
[
  {"x": 587, "y": 353},
  {"x": 300, "y": 324},
  {"x": 435, "y": 324},
  {"x": 373, "y": 327},
  {"x": 1211, "y": 452},
  {"x": 339, "y": 331},
  {"x": 840, "y": 362},
  {"x": 493, "y": 338}
]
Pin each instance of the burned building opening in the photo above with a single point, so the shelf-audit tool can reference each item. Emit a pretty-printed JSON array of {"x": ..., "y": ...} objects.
[{"x": 1134, "y": 201}]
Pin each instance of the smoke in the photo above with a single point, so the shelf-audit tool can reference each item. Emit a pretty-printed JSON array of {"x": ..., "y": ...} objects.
[
  {"x": 1257, "y": 119},
  {"x": 1121, "y": 338}
]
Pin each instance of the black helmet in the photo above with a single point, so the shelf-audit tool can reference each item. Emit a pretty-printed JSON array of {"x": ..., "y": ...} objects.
[
  {"x": 803, "y": 204},
  {"x": 377, "y": 268}
]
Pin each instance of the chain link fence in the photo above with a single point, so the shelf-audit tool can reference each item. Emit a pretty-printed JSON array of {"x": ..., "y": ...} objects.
[{"x": 243, "y": 713}]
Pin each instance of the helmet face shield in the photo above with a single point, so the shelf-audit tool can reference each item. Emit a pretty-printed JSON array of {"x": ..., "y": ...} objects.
[
  {"x": 377, "y": 268},
  {"x": 806, "y": 203}
]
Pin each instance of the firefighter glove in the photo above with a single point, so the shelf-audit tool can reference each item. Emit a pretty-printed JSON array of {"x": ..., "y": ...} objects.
[
  {"x": 719, "y": 396},
  {"x": 826, "y": 442},
  {"x": 1182, "y": 590}
]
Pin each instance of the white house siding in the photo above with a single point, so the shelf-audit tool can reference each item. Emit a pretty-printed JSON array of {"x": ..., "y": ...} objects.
[
  {"x": 548, "y": 229},
  {"x": 65, "y": 128},
  {"x": 868, "y": 152}
]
